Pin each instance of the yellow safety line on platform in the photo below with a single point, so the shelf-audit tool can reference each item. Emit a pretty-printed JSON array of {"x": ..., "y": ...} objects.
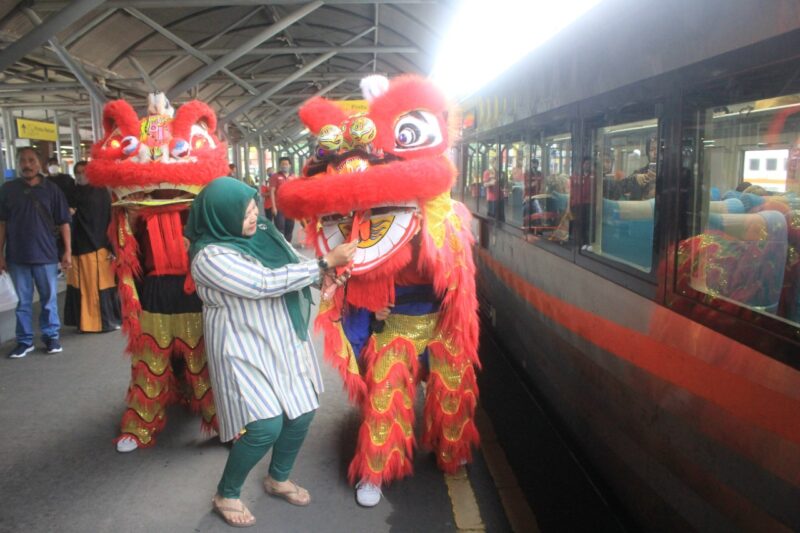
[
  {"x": 520, "y": 515},
  {"x": 462, "y": 498}
]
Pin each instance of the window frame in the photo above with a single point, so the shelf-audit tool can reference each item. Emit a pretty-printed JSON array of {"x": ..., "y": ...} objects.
[
  {"x": 773, "y": 336},
  {"x": 602, "y": 111}
]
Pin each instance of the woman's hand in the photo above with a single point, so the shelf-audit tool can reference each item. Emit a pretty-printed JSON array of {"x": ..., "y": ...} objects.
[{"x": 341, "y": 255}]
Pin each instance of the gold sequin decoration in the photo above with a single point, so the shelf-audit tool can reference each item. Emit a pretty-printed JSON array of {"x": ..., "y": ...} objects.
[
  {"x": 377, "y": 462},
  {"x": 450, "y": 404},
  {"x": 453, "y": 433},
  {"x": 147, "y": 414},
  {"x": 347, "y": 352},
  {"x": 195, "y": 361},
  {"x": 379, "y": 431},
  {"x": 151, "y": 387},
  {"x": 165, "y": 328},
  {"x": 451, "y": 375},
  {"x": 382, "y": 400},
  {"x": 200, "y": 388},
  {"x": 142, "y": 433},
  {"x": 384, "y": 365},
  {"x": 437, "y": 211},
  {"x": 209, "y": 411},
  {"x": 156, "y": 362},
  {"x": 420, "y": 330}
]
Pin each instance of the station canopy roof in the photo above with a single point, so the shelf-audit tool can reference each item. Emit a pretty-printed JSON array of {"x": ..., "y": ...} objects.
[{"x": 254, "y": 62}]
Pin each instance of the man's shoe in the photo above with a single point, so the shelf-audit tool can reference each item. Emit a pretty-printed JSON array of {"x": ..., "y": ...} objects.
[
  {"x": 20, "y": 351},
  {"x": 367, "y": 494},
  {"x": 53, "y": 346}
]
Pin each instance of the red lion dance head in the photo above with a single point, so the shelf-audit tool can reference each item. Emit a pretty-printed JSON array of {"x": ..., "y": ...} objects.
[
  {"x": 159, "y": 157},
  {"x": 382, "y": 178}
]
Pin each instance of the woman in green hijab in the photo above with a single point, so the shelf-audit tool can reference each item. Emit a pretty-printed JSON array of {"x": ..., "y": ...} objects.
[{"x": 256, "y": 306}]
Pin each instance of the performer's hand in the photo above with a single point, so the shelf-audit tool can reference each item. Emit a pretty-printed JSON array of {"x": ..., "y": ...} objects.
[
  {"x": 66, "y": 261},
  {"x": 274, "y": 212},
  {"x": 341, "y": 255},
  {"x": 384, "y": 313}
]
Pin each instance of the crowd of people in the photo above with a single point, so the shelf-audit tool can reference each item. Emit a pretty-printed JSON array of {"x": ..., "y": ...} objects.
[{"x": 54, "y": 225}]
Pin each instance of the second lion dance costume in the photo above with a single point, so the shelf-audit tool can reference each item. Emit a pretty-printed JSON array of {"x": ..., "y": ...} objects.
[
  {"x": 154, "y": 167},
  {"x": 383, "y": 178}
]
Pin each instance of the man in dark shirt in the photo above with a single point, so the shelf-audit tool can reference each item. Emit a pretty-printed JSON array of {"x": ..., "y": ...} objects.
[{"x": 32, "y": 211}]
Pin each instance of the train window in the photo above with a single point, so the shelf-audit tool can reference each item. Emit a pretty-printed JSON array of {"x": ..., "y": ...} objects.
[
  {"x": 620, "y": 203},
  {"x": 515, "y": 159},
  {"x": 741, "y": 226},
  {"x": 455, "y": 155},
  {"x": 546, "y": 208},
  {"x": 472, "y": 172}
]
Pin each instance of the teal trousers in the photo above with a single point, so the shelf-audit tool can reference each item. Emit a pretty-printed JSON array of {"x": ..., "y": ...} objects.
[{"x": 285, "y": 435}]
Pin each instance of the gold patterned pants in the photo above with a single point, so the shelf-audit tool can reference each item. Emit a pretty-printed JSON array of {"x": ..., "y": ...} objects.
[
  {"x": 392, "y": 371},
  {"x": 168, "y": 366}
]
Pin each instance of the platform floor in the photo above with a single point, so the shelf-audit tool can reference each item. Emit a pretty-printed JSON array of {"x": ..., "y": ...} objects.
[{"x": 59, "y": 470}]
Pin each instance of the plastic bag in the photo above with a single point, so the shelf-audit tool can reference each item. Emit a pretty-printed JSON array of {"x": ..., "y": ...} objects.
[{"x": 8, "y": 294}]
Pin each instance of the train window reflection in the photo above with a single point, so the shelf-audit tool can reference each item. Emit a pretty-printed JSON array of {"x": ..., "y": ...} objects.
[
  {"x": 481, "y": 185},
  {"x": 741, "y": 233},
  {"x": 514, "y": 172},
  {"x": 546, "y": 209},
  {"x": 625, "y": 163}
]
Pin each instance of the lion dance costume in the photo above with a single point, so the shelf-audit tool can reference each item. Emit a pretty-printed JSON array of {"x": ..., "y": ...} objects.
[
  {"x": 154, "y": 167},
  {"x": 383, "y": 178}
]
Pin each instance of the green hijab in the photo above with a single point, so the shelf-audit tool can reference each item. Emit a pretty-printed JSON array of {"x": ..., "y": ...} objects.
[{"x": 217, "y": 217}]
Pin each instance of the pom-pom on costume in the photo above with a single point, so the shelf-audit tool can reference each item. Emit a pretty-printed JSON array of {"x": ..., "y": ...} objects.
[
  {"x": 155, "y": 167},
  {"x": 383, "y": 178}
]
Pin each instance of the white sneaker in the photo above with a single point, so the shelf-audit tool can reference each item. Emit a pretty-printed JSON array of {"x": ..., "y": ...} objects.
[
  {"x": 367, "y": 494},
  {"x": 126, "y": 444}
]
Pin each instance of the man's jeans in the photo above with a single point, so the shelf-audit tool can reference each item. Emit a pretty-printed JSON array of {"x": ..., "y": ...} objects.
[{"x": 44, "y": 277}]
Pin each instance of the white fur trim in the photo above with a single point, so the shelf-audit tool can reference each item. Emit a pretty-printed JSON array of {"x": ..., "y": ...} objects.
[{"x": 374, "y": 86}]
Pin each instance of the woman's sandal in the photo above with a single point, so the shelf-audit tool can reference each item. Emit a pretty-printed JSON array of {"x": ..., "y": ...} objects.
[
  {"x": 297, "y": 495},
  {"x": 223, "y": 509}
]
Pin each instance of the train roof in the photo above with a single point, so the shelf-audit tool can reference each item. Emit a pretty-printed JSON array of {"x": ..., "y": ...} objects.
[{"x": 620, "y": 42}]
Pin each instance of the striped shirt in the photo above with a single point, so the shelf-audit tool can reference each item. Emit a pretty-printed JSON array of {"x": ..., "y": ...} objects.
[{"x": 259, "y": 368}]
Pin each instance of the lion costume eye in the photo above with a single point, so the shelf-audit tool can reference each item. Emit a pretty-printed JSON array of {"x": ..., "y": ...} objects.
[{"x": 415, "y": 130}]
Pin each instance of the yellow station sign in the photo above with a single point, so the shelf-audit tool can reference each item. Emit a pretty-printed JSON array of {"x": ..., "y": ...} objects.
[
  {"x": 34, "y": 129},
  {"x": 351, "y": 107}
]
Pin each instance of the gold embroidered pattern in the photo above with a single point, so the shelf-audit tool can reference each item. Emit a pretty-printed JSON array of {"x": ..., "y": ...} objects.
[{"x": 187, "y": 327}]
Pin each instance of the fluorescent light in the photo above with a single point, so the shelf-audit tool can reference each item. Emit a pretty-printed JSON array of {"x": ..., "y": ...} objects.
[{"x": 483, "y": 41}]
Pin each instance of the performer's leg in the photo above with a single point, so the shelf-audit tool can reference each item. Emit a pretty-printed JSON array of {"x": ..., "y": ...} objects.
[
  {"x": 451, "y": 396},
  {"x": 149, "y": 393},
  {"x": 201, "y": 398},
  {"x": 386, "y": 438}
]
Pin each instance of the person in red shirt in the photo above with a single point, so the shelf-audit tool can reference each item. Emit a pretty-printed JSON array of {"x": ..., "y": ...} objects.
[
  {"x": 490, "y": 184},
  {"x": 285, "y": 225},
  {"x": 265, "y": 194}
]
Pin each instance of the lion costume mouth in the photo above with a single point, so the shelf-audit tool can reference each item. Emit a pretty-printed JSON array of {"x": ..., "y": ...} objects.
[{"x": 381, "y": 232}]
